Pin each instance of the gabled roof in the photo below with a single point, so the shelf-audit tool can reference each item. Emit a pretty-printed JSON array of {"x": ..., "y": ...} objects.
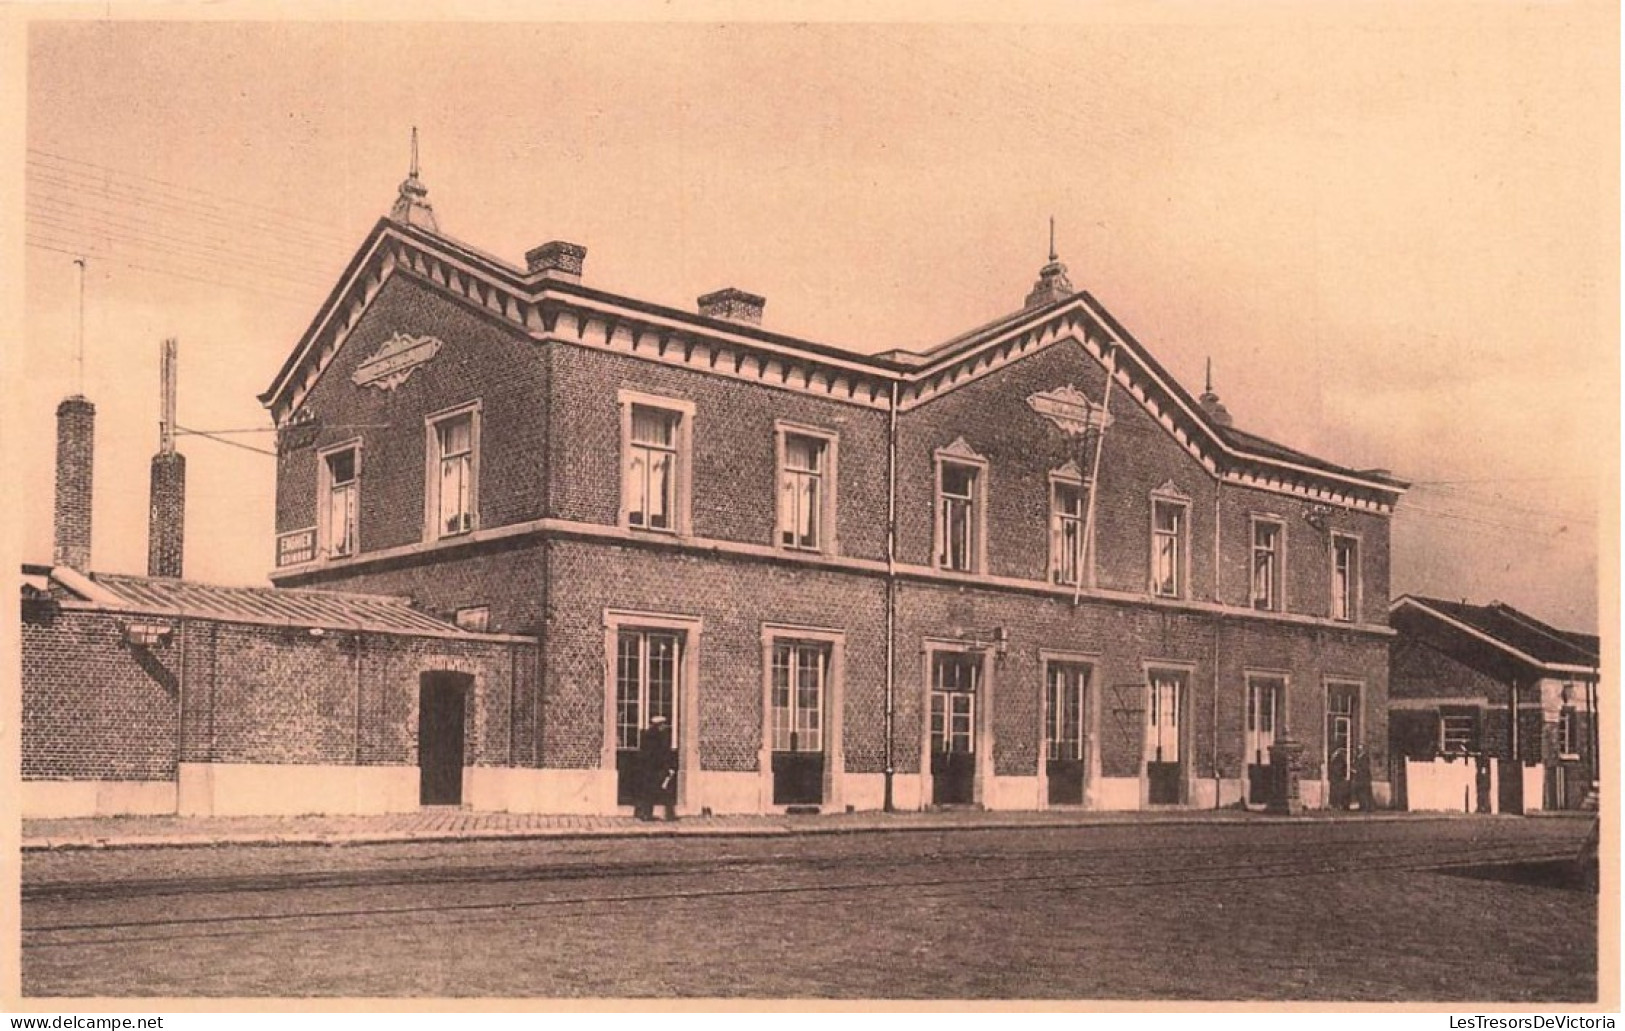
[
  {"x": 277, "y": 606},
  {"x": 562, "y": 309},
  {"x": 1512, "y": 631}
]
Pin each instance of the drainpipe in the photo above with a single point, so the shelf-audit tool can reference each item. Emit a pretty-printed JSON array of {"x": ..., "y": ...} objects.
[
  {"x": 1512, "y": 737},
  {"x": 180, "y": 703},
  {"x": 891, "y": 597},
  {"x": 355, "y": 669},
  {"x": 1218, "y": 490}
]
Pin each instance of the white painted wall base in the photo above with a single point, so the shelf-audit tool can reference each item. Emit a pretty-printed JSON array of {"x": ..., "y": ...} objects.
[
  {"x": 502, "y": 789},
  {"x": 1312, "y": 793},
  {"x": 1020, "y": 793},
  {"x": 1534, "y": 788},
  {"x": 1441, "y": 786},
  {"x": 867, "y": 791},
  {"x": 725, "y": 792},
  {"x": 1229, "y": 792},
  {"x": 1117, "y": 794},
  {"x": 256, "y": 789},
  {"x": 58, "y": 799}
]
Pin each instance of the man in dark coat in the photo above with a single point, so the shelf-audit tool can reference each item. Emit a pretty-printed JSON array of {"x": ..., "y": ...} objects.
[{"x": 657, "y": 771}]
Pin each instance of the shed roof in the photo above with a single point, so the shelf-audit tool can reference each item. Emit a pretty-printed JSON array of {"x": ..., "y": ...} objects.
[{"x": 1515, "y": 630}]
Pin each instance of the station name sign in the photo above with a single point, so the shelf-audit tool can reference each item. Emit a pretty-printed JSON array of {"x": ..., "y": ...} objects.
[{"x": 395, "y": 361}]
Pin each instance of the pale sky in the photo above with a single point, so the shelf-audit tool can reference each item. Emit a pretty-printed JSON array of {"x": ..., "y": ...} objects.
[{"x": 1393, "y": 227}]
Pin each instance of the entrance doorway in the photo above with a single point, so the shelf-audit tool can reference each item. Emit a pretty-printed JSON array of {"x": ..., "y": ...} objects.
[
  {"x": 1265, "y": 697},
  {"x": 442, "y": 701},
  {"x": 798, "y": 691},
  {"x": 1164, "y": 747},
  {"x": 1342, "y": 743},
  {"x": 955, "y": 681},
  {"x": 648, "y": 675},
  {"x": 1066, "y": 695}
]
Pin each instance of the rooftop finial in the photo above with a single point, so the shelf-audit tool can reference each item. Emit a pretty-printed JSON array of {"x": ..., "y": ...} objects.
[
  {"x": 1210, "y": 401},
  {"x": 412, "y": 205},
  {"x": 1052, "y": 238},
  {"x": 1052, "y": 283}
]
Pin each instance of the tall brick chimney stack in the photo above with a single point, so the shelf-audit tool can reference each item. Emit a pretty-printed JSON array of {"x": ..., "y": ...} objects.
[
  {"x": 75, "y": 450},
  {"x": 166, "y": 519}
]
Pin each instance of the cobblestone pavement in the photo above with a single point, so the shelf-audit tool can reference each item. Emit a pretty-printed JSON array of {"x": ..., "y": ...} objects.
[{"x": 433, "y": 824}]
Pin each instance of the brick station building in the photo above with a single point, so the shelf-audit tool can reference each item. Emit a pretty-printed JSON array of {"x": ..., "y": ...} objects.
[{"x": 1023, "y": 569}]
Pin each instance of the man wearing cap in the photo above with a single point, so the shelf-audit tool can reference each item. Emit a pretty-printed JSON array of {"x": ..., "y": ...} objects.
[{"x": 657, "y": 769}]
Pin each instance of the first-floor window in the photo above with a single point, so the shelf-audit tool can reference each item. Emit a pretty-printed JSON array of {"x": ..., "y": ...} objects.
[
  {"x": 1266, "y": 590},
  {"x": 802, "y": 488},
  {"x": 1066, "y": 531},
  {"x": 454, "y": 472},
  {"x": 340, "y": 473},
  {"x": 652, "y": 456},
  {"x": 956, "y": 534},
  {"x": 800, "y": 676},
  {"x": 1345, "y": 578},
  {"x": 1167, "y": 547},
  {"x": 647, "y": 671}
]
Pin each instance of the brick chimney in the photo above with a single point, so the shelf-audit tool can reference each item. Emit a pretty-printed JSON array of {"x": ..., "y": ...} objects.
[
  {"x": 557, "y": 259},
  {"x": 75, "y": 451},
  {"x": 733, "y": 305},
  {"x": 166, "y": 518}
]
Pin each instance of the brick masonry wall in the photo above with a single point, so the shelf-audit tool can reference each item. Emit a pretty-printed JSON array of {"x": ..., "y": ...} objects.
[
  {"x": 1122, "y": 642},
  {"x": 734, "y": 493},
  {"x": 734, "y": 599},
  {"x": 94, "y": 707},
  {"x": 481, "y": 359},
  {"x": 1022, "y": 448},
  {"x": 1307, "y": 575},
  {"x": 1420, "y": 670}
]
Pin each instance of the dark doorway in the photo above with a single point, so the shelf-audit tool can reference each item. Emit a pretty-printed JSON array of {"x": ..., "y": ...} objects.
[
  {"x": 1342, "y": 743},
  {"x": 1164, "y": 746},
  {"x": 442, "y": 697},
  {"x": 800, "y": 674}
]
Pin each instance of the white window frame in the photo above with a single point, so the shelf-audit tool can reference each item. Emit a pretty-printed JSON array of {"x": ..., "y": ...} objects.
[
  {"x": 834, "y": 643},
  {"x": 828, "y": 479},
  {"x": 1182, "y": 544},
  {"x": 1083, "y": 557},
  {"x": 432, "y": 528},
  {"x": 324, "y": 518},
  {"x": 1568, "y": 733},
  {"x": 681, "y": 481},
  {"x": 1350, "y": 597},
  {"x": 1445, "y": 735},
  {"x": 964, "y": 458},
  {"x": 1276, "y": 600}
]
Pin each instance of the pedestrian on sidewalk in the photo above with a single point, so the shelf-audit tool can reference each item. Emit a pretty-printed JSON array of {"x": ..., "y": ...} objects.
[{"x": 657, "y": 771}]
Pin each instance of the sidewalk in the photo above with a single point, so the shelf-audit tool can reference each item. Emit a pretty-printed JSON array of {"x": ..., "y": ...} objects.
[{"x": 451, "y": 824}]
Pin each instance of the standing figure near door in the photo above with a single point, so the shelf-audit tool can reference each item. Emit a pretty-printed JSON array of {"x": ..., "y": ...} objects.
[{"x": 657, "y": 771}]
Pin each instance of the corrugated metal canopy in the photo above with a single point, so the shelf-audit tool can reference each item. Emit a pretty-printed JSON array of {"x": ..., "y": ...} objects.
[{"x": 329, "y": 609}]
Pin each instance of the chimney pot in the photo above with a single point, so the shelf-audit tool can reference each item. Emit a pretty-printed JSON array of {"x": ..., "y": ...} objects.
[
  {"x": 733, "y": 305},
  {"x": 557, "y": 259},
  {"x": 75, "y": 453}
]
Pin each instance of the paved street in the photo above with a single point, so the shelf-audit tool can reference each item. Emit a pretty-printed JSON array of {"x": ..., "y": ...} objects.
[{"x": 1344, "y": 910}]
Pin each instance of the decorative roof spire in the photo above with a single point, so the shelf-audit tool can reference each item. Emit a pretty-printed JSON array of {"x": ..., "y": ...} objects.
[
  {"x": 1052, "y": 284},
  {"x": 1210, "y": 402},
  {"x": 412, "y": 205}
]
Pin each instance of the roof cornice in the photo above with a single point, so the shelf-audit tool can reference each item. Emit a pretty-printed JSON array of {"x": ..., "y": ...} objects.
[{"x": 553, "y": 309}]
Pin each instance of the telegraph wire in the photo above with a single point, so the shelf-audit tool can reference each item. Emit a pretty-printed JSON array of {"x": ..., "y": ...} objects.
[
  {"x": 186, "y": 193},
  {"x": 171, "y": 244},
  {"x": 58, "y": 247},
  {"x": 120, "y": 197},
  {"x": 222, "y": 440}
]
